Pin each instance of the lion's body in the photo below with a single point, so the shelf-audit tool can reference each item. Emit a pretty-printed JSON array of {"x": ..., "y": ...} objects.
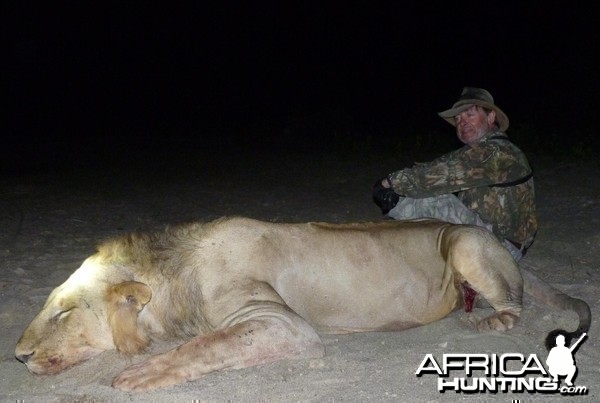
[{"x": 243, "y": 292}]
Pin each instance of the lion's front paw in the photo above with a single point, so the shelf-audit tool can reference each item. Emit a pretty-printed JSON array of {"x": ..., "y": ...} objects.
[
  {"x": 499, "y": 321},
  {"x": 148, "y": 375}
]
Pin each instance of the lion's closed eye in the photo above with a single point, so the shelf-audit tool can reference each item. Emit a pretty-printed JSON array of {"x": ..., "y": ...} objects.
[{"x": 62, "y": 314}]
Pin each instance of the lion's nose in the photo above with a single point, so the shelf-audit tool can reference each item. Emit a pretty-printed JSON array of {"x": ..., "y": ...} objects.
[{"x": 24, "y": 357}]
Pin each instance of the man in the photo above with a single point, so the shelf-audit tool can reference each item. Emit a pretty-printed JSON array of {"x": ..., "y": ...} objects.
[
  {"x": 488, "y": 182},
  {"x": 560, "y": 359}
]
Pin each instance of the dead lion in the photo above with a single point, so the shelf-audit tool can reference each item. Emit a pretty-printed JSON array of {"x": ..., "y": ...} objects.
[{"x": 242, "y": 292}]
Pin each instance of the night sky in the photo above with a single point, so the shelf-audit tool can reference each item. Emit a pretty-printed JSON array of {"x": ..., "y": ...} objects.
[{"x": 78, "y": 76}]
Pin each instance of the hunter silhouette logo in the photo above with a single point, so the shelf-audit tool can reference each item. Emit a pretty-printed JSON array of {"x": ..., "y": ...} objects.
[
  {"x": 508, "y": 372},
  {"x": 560, "y": 359}
]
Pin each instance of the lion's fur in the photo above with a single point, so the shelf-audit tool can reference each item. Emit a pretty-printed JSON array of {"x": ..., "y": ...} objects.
[
  {"x": 243, "y": 292},
  {"x": 124, "y": 302}
]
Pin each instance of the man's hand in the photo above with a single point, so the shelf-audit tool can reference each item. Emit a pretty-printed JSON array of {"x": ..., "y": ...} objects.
[{"x": 384, "y": 196}]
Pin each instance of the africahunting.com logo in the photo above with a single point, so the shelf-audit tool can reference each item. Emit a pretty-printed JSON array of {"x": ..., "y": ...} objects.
[{"x": 510, "y": 372}]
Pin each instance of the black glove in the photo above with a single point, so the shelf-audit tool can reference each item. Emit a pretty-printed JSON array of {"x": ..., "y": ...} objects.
[{"x": 384, "y": 197}]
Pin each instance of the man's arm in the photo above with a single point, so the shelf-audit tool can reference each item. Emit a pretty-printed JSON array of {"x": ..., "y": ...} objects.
[{"x": 466, "y": 168}]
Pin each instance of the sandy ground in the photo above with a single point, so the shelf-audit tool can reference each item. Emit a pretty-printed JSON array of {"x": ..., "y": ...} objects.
[{"x": 49, "y": 222}]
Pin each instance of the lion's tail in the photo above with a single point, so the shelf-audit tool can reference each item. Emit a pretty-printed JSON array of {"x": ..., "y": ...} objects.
[{"x": 544, "y": 292}]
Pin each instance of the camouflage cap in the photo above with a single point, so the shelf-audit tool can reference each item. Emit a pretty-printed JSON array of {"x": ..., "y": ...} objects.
[{"x": 475, "y": 96}]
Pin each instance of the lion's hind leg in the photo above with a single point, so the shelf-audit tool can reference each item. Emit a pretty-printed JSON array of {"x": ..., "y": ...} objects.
[
  {"x": 480, "y": 261},
  {"x": 263, "y": 332}
]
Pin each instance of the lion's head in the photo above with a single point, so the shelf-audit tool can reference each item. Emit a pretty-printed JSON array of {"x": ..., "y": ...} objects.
[{"x": 83, "y": 317}]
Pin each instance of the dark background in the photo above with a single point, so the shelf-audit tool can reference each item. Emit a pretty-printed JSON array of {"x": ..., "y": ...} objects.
[{"x": 87, "y": 82}]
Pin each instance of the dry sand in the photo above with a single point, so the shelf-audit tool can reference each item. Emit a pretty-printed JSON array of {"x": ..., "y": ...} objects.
[{"x": 49, "y": 222}]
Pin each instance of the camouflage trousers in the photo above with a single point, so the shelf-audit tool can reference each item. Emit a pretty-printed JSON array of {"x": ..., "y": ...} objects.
[{"x": 446, "y": 208}]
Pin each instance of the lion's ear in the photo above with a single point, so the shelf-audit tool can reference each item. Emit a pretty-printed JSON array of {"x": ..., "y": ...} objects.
[
  {"x": 136, "y": 295},
  {"x": 125, "y": 301}
]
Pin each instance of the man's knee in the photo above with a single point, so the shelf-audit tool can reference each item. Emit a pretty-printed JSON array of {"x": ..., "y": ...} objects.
[{"x": 445, "y": 207}]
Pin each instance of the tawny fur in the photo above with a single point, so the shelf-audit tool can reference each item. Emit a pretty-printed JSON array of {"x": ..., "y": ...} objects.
[
  {"x": 239, "y": 292},
  {"x": 124, "y": 302}
]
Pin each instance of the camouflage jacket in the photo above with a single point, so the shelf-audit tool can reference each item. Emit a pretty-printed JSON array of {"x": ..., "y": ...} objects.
[{"x": 493, "y": 179}]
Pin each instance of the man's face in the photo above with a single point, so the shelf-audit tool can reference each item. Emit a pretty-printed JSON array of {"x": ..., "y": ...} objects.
[{"x": 473, "y": 124}]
